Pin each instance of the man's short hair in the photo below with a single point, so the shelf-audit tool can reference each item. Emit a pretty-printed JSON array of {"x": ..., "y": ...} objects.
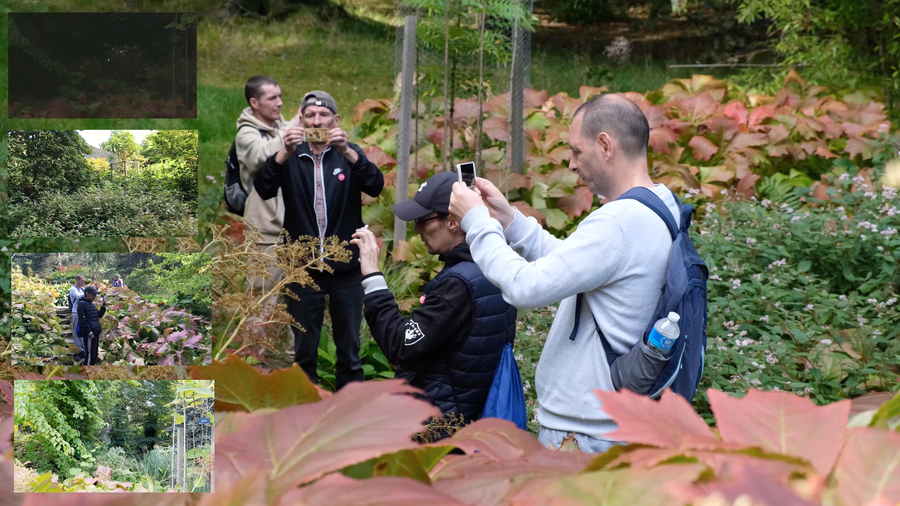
[
  {"x": 78, "y": 276},
  {"x": 253, "y": 88},
  {"x": 620, "y": 118}
]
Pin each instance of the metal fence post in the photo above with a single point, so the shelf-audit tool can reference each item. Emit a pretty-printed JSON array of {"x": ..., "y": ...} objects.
[{"x": 406, "y": 103}]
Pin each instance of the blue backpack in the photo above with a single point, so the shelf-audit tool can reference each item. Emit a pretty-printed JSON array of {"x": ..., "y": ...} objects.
[
  {"x": 506, "y": 398},
  {"x": 684, "y": 292}
]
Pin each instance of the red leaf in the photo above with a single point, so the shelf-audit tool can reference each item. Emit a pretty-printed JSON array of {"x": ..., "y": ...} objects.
[
  {"x": 859, "y": 146},
  {"x": 6, "y": 395},
  {"x": 466, "y": 110},
  {"x": 369, "y": 105},
  {"x": 240, "y": 387},
  {"x": 381, "y": 159},
  {"x": 565, "y": 104},
  {"x": 737, "y": 111},
  {"x": 742, "y": 141},
  {"x": 666, "y": 423},
  {"x": 699, "y": 107},
  {"x": 498, "y": 177},
  {"x": 758, "y": 115},
  {"x": 660, "y": 138},
  {"x": 746, "y": 185},
  {"x": 867, "y": 470},
  {"x": 778, "y": 133},
  {"x": 6, "y": 434},
  {"x": 496, "y": 128},
  {"x": 339, "y": 489},
  {"x": 299, "y": 444},
  {"x": 576, "y": 204},
  {"x": 527, "y": 210},
  {"x": 784, "y": 423},
  {"x": 655, "y": 116},
  {"x": 747, "y": 481},
  {"x": 704, "y": 149},
  {"x": 586, "y": 92},
  {"x": 533, "y": 98},
  {"x": 495, "y": 438}
]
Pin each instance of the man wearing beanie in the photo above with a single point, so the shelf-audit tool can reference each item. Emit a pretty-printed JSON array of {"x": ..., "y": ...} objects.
[
  {"x": 450, "y": 347},
  {"x": 322, "y": 185}
]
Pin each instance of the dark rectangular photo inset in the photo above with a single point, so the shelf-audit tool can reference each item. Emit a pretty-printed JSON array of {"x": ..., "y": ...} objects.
[
  {"x": 111, "y": 309},
  {"x": 102, "y": 183},
  {"x": 133, "y": 435},
  {"x": 102, "y": 65}
]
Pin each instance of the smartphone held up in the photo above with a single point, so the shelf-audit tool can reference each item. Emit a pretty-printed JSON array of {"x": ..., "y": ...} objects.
[{"x": 466, "y": 173}]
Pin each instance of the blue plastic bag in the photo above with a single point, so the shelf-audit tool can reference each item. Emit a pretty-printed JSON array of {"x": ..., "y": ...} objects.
[{"x": 506, "y": 398}]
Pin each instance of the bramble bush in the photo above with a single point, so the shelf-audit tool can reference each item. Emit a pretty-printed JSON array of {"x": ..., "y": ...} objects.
[{"x": 127, "y": 207}]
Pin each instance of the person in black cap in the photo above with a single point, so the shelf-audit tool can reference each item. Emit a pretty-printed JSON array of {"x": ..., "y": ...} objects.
[
  {"x": 450, "y": 347},
  {"x": 89, "y": 324},
  {"x": 322, "y": 185}
]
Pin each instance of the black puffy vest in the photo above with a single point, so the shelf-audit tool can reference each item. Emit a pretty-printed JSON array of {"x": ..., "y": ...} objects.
[{"x": 458, "y": 380}]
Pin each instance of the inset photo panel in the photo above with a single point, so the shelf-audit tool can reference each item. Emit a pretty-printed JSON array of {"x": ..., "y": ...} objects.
[
  {"x": 113, "y": 435},
  {"x": 102, "y": 183},
  {"x": 111, "y": 309},
  {"x": 102, "y": 65}
]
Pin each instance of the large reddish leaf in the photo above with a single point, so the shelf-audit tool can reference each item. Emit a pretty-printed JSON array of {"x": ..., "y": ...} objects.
[
  {"x": 515, "y": 181},
  {"x": 240, "y": 387},
  {"x": 299, "y": 444},
  {"x": 666, "y": 423},
  {"x": 737, "y": 111},
  {"x": 249, "y": 490},
  {"x": 704, "y": 149},
  {"x": 576, "y": 204},
  {"x": 497, "y": 439},
  {"x": 533, "y": 98},
  {"x": 565, "y": 104},
  {"x": 632, "y": 487},
  {"x": 778, "y": 133},
  {"x": 869, "y": 467},
  {"x": 655, "y": 116},
  {"x": 381, "y": 159},
  {"x": 758, "y": 115},
  {"x": 337, "y": 489},
  {"x": 660, "y": 138},
  {"x": 859, "y": 146},
  {"x": 6, "y": 434},
  {"x": 586, "y": 92},
  {"x": 747, "y": 482},
  {"x": 746, "y": 185},
  {"x": 527, "y": 210},
  {"x": 466, "y": 110},
  {"x": 784, "y": 423},
  {"x": 369, "y": 105},
  {"x": 699, "y": 107},
  {"x": 742, "y": 141},
  {"x": 496, "y": 128}
]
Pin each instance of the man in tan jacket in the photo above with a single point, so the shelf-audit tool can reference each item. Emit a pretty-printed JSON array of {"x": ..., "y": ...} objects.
[{"x": 261, "y": 129}]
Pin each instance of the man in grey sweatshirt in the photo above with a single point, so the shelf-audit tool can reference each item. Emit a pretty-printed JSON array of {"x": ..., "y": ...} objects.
[{"x": 617, "y": 257}]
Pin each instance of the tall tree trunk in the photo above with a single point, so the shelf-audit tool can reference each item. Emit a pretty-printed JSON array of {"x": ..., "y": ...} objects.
[{"x": 174, "y": 69}]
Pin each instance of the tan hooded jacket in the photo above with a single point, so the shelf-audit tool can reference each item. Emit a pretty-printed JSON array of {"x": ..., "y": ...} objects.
[{"x": 252, "y": 152}]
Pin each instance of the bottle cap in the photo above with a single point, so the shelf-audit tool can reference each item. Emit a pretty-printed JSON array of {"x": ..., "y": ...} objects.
[{"x": 673, "y": 317}]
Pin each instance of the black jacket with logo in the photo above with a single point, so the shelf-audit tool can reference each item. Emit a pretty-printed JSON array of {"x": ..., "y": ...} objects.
[
  {"x": 441, "y": 348},
  {"x": 344, "y": 185}
]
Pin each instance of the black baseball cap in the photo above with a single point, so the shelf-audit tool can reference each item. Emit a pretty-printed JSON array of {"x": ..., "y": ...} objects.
[
  {"x": 433, "y": 196},
  {"x": 90, "y": 289}
]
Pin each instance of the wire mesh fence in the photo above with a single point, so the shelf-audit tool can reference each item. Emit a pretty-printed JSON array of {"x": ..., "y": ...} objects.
[{"x": 464, "y": 48}]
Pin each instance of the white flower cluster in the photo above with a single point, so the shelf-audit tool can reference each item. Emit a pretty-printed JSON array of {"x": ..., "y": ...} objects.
[
  {"x": 777, "y": 263},
  {"x": 867, "y": 225},
  {"x": 619, "y": 50}
]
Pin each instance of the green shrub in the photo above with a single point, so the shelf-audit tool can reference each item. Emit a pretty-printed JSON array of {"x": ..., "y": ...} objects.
[
  {"x": 124, "y": 208},
  {"x": 123, "y": 466},
  {"x": 804, "y": 300}
]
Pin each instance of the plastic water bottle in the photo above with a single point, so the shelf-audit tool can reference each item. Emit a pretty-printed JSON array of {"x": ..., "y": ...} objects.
[{"x": 665, "y": 332}]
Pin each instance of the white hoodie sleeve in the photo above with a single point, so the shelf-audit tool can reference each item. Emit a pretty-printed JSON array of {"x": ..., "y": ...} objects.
[{"x": 588, "y": 258}]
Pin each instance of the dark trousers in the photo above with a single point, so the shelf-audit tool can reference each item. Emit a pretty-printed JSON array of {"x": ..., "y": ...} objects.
[
  {"x": 345, "y": 296},
  {"x": 91, "y": 346}
]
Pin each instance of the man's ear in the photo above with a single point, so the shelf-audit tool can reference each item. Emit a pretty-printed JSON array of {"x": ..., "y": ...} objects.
[
  {"x": 605, "y": 145},
  {"x": 254, "y": 104},
  {"x": 337, "y": 119}
]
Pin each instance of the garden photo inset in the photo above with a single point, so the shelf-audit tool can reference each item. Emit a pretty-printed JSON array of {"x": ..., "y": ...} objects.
[
  {"x": 102, "y": 65},
  {"x": 102, "y": 183},
  {"x": 111, "y": 309},
  {"x": 113, "y": 435}
]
